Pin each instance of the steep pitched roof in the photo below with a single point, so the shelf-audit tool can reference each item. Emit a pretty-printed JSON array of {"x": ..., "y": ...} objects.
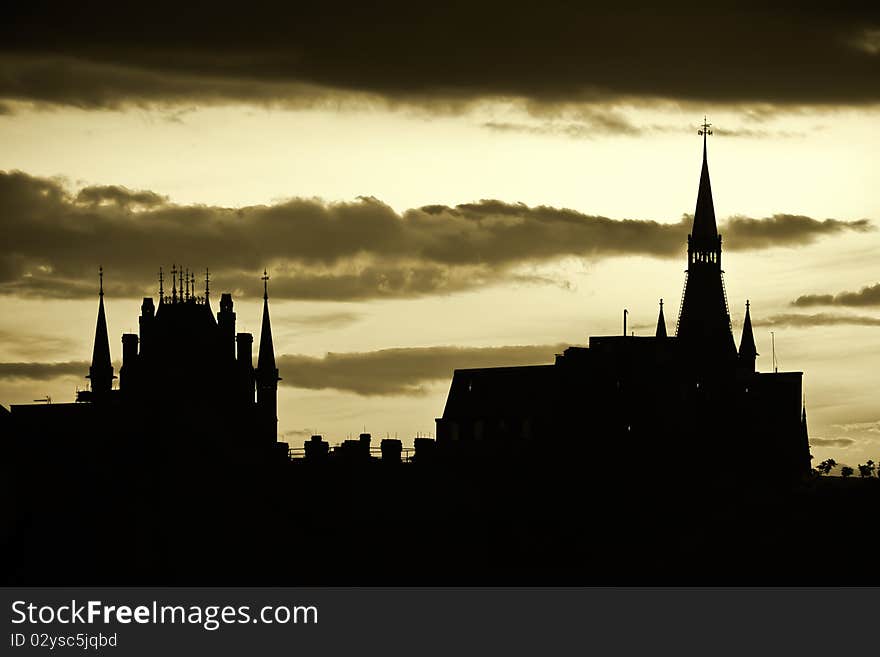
[
  {"x": 747, "y": 342},
  {"x": 266, "y": 358},
  {"x": 661, "y": 323},
  {"x": 705, "y": 230},
  {"x": 101, "y": 350}
]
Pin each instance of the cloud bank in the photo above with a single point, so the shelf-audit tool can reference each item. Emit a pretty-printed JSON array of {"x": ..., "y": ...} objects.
[
  {"x": 795, "y": 320},
  {"x": 54, "y": 239},
  {"x": 104, "y": 54},
  {"x": 400, "y": 371},
  {"x": 867, "y": 296}
]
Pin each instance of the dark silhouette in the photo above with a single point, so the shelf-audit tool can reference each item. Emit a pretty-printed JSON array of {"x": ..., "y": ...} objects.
[
  {"x": 621, "y": 396},
  {"x": 618, "y": 463}
]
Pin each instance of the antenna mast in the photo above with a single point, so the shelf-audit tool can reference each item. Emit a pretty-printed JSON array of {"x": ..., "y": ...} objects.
[{"x": 773, "y": 343}]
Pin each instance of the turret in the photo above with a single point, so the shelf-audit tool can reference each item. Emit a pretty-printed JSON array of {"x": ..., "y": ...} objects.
[
  {"x": 267, "y": 374},
  {"x": 101, "y": 370},
  {"x": 747, "y": 350},
  {"x": 146, "y": 323},
  {"x": 127, "y": 374},
  {"x": 245, "y": 363},
  {"x": 661, "y": 323},
  {"x": 226, "y": 322}
]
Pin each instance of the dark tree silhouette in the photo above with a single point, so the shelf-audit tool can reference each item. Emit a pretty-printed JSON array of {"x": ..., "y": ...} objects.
[
  {"x": 846, "y": 471},
  {"x": 826, "y": 466}
]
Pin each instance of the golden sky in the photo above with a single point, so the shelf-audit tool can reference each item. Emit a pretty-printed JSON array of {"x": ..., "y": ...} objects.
[{"x": 413, "y": 227}]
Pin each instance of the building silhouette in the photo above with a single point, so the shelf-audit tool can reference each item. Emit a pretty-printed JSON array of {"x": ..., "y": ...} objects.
[
  {"x": 186, "y": 381},
  {"x": 691, "y": 396},
  {"x": 620, "y": 462}
]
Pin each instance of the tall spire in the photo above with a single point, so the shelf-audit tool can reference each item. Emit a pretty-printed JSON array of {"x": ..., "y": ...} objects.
[
  {"x": 266, "y": 374},
  {"x": 266, "y": 358},
  {"x": 173, "y": 283},
  {"x": 704, "y": 318},
  {"x": 101, "y": 370},
  {"x": 207, "y": 284},
  {"x": 661, "y": 323},
  {"x": 161, "y": 285},
  {"x": 747, "y": 350},
  {"x": 705, "y": 230}
]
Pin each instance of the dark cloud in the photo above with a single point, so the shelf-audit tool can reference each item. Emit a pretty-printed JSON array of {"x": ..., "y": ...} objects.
[
  {"x": 404, "y": 371},
  {"x": 107, "y": 54},
  {"x": 401, "y": 371},
  {"x": 832, "y": 442},
  {"x": 784, "y": 230},
  {"x": 121, "y": 196},
  {"x": 867, "y": 296},
  {"x": 820, "y": 319},
  {"x": 43, "y": 371},
  {"x": 54, "y": 241},
  {"x": 323, "y": 320}
]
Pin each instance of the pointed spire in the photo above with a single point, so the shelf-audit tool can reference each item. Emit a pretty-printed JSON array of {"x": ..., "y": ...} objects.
[
  {"x": 161, "y": 285},
  {"x": 705, "y": 230},
  {"x": 266, "y": 358},
  {"x": 173, "y": 283},
  {"x": 747, "y": 350},
  {"x": 101, "y": 370},
  {"x": 661, "y": 323},
  {"x": 747, "y": 347},
  {"x": 207, "y": 284}
]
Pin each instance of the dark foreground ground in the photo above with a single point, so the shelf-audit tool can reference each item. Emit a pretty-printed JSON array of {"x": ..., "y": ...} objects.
[{"x": 131, "y": 516}]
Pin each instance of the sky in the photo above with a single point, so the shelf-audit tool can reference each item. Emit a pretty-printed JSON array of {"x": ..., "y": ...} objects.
[{"x": 466, "y": 185}]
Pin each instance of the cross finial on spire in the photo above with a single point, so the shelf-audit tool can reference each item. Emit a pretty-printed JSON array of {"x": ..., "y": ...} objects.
[
  {"x": 705, "y": 128},
  {"x": 265, "y": 284},
  {"x": 661, "y": 304},
  {"x": 101, "y": 280},
  {"x": 705, "y": 131},
  {"x": 747, "y": 305}
]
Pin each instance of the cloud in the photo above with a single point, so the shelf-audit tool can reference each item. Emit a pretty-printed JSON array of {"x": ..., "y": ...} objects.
[
  {"x": 54, "y": 240},
  {"x": 821, "y": 319},
  {"x": 104, "y": 54},
  {"x": 323, "y": 320},
  {"x": 867, "y": 296},
  {"x": 398, "y": 371},
  {"x": 872, "y": 426},
  {"x": 121, "y": 196},
  {"x": 590, "y": 122},
  {"x": 43, "y": 371},
  {"x": 832, "y": 442},
  {"x": 401, "y": 371},
  {"x": 784, "y": 230},
  {"x": 34, "y": 345}
]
